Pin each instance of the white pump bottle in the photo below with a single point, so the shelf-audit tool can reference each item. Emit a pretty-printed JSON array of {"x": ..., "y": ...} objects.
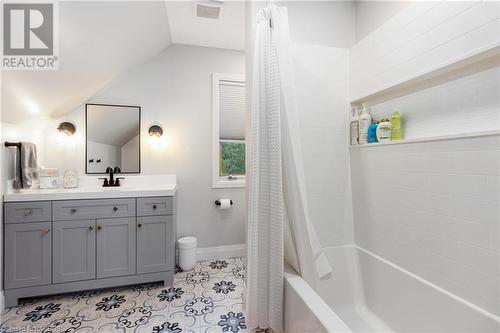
[{"x": 365, "y": 121}]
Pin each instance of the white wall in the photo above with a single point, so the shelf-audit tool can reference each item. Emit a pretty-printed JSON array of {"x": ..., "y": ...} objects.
[
  {"x": 326, "y": 23},
  {"x": 372, "y": 14},
  {"x": 17, "y": 133},
  {"x": 108, "y": 154},
  {"x": 420, "y": 38},
  {"x": 433, "y": 209},
  {"x": 322, "y": 86},
  {"x": 129, "y": 155},
  {"x": 321, "y": 34},
  {"x": 174, "y": 90}
]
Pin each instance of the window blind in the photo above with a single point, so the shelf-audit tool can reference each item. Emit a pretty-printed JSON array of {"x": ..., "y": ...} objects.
[{"x": 232, "y": 107}]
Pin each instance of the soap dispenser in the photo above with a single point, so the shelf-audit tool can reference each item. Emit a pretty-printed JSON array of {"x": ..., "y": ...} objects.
[{"x": 365, "y": 121}]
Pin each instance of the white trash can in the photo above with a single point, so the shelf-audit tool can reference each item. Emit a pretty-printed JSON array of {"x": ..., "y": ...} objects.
[{"x": 187, "y": 252}]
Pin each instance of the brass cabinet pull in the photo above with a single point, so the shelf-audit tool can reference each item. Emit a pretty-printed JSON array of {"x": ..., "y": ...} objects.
[{"x": 45, "y": 231}]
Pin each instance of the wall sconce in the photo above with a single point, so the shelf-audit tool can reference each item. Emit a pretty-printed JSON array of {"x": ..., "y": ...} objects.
[
  {"x": 155, "y": 131},
  {"x": 66, "y": 128}
]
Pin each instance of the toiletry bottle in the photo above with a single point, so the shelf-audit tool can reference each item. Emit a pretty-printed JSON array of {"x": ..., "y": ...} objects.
[
  {"x": 365, "y": 121},
  {"x": 372, "y": 131},
  {"x": 397, "y": 129},
  {"x": 384, "y": 130},
  {"x": 354, "y": 126}
]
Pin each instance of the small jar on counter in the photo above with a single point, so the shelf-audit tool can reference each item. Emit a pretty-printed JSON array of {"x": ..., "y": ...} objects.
[
  {"x": 48, "y": 178},
  {"x": 70, "y": 179}
]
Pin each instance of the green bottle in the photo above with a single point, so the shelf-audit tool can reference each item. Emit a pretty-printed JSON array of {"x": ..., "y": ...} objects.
[{"x": 397, "y": 130}]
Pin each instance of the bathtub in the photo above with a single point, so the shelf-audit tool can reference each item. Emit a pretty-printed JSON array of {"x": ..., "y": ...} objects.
[{"x": 369, "y": 294}]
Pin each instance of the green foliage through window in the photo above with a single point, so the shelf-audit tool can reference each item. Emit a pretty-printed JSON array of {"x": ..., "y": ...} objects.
[{"x": 232, "y": 157}]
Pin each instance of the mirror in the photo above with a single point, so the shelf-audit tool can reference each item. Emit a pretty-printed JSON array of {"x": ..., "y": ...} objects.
[{"x": 113, "y": 138}]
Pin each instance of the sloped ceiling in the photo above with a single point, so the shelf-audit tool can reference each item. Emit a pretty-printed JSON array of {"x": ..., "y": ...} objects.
[
  {"x": 101, "y": 39},
  {"x": 98, "y": 40}
]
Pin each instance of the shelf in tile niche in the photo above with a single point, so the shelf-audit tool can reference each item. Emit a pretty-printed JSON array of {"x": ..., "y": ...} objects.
[
  {"x": 474, "y": 62},
  {"x": 427, "y": 139}
]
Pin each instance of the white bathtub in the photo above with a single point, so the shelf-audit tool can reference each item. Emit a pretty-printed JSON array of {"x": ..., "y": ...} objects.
[{"x": 368, "y": 294}]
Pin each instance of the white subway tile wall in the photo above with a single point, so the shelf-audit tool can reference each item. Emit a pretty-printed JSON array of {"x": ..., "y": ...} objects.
[
  {"x": 433, "y": 208},
  {"x": 420, "y": 37},
  {"x": 322, "y": 86}
]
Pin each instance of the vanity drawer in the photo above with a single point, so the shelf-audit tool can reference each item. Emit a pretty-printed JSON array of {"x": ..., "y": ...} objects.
[
  {"x": 32, "y": 211},
  {"x": 92, "y": 209},
  {"x": 155, "y": 206}
]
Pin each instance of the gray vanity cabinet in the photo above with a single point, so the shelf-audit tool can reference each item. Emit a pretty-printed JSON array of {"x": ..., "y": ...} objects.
[
  {"x": 116, "y": 247},
  {"x": 74, "y": 251},
  {"x": 61, "y": 246},
  {"x": 155, "y": 247},
  {"x": 27, "y": 254}
]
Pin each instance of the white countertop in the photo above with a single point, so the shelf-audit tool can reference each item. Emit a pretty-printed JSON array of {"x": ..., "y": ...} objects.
[{"x": 91, "y": 188}]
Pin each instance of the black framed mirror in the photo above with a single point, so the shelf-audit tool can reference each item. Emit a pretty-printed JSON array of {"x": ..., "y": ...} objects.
[{"x": 113, "y": 138}]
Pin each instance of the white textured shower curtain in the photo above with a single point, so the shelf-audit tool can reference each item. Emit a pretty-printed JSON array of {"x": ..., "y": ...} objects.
[{"x": 279, "y": 226}]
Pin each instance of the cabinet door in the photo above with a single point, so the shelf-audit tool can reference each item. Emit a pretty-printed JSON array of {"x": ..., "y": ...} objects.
[
  {"x": 74, "y": 251},
  {"x": 155, "y": 244},
  {"x": 28, "y": 254},
  {"x": 116, "y": 247}
]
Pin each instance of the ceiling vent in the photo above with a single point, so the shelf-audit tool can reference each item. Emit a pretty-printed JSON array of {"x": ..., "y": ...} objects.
[{"x": 209, "y": 9}]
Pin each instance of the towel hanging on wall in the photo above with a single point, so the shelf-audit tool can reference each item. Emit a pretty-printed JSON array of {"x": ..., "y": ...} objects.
[{"x": 25, "y": 166}]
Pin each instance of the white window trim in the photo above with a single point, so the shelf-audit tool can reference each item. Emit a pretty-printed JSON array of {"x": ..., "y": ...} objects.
[{"x": 218, "y": 181}]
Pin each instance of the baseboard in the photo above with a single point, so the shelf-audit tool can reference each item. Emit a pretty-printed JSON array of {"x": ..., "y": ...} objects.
[{"x": 221, "y": 252}]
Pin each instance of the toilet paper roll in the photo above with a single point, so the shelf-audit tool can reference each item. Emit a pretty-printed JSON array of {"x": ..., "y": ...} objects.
[{"x": 225, "y": 203}]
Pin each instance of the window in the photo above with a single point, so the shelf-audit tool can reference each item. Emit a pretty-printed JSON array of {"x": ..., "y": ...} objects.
[{"x": 228, "y": 131}]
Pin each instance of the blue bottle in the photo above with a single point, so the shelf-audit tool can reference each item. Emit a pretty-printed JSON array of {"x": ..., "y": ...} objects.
[{"x": 372, "y": 132}]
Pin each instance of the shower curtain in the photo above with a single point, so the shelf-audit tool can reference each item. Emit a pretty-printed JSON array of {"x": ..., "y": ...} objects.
[{"x": 279, "y": 226}]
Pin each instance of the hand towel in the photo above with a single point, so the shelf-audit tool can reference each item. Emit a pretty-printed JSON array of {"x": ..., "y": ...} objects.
[{"x": 26, "y": 168}]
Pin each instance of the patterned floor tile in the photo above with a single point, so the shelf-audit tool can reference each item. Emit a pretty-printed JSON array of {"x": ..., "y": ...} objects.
[{"x": 207, "y": 299}]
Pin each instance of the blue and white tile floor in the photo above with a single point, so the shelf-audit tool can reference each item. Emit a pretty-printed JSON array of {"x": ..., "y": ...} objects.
[{"x": 207, "y": 299}]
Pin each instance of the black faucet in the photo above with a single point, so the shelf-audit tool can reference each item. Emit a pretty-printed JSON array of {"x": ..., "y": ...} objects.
[{"x": 112, "y": 181}]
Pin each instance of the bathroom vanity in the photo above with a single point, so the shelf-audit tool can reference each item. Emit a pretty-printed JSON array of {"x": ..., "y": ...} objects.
[{"x": 71, "y": 240}]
